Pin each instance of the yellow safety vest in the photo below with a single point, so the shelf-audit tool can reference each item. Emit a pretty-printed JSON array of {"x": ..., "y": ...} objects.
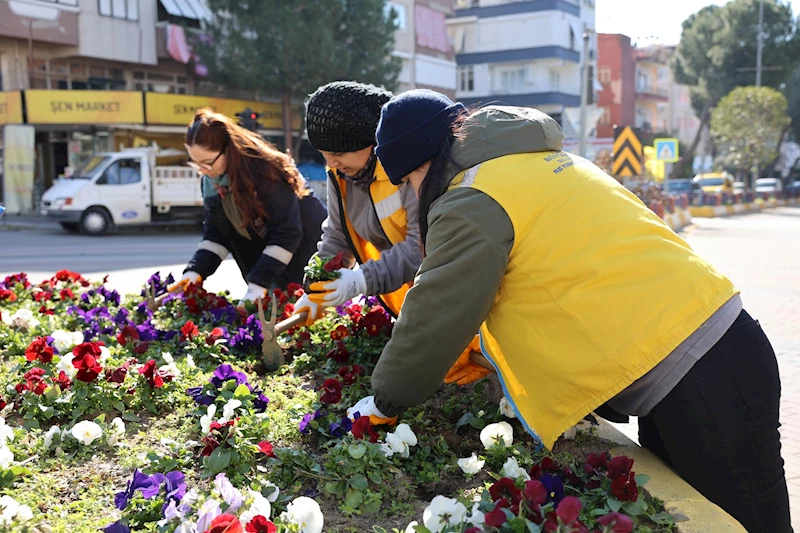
[
  {"x": 598, "y": 289},
  {"x": 387, "y": 204}
]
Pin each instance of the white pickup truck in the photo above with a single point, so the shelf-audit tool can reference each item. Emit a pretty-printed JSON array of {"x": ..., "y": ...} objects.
[{"x": 124, "y": 189}]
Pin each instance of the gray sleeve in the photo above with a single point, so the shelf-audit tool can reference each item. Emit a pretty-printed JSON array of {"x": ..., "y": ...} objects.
[
  {"x": 469, "y": 241},
  {"x": 398, "y": 264},
  {"x": 333, "y": 238}
]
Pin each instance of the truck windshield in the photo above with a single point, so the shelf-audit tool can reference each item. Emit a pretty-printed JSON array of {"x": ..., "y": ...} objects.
[{"x": 87, "y": 170}]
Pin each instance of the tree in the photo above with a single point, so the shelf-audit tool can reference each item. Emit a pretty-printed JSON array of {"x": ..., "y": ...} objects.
[
  {"x": 748, "y": 125},
  {"x": 288, "y": 49},
  {"x": 717, "y": 53}
]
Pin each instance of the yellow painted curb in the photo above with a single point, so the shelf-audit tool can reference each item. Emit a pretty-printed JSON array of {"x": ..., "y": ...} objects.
[
  {"x": 678, "y": 496},
  {"x": 679, "y": 219}
]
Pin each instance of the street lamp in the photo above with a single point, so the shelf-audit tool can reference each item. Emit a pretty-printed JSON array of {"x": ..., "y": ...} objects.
[{"x": 586, "y": 84}]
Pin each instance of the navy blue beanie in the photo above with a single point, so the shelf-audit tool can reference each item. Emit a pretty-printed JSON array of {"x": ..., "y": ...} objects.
[{"x": 412, "y": 129}]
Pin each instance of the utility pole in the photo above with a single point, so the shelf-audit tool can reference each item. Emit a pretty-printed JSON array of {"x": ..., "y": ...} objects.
[
  {"x": 585, "y": 85},
  {"x": 760, "y": 46}
]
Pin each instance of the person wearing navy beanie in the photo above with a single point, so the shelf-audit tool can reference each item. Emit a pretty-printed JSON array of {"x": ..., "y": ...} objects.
[{"x": 583, "y": 297}]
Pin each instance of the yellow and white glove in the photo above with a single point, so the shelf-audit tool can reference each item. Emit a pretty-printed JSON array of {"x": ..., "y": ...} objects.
[
  {"x": 254, "y": 292},
  {"x": 187, "y": 279},
  {"x": 307, "y": 304},
  {"x": 350, "y": 284},
  {"x": 366, "y": 407}
]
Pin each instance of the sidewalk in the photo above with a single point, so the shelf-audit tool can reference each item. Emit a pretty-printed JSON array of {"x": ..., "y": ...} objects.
[{"x": 26, "y": 221}]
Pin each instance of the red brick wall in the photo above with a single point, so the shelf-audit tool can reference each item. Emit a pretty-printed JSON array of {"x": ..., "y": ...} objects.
[{"x": 619, "y": 94}]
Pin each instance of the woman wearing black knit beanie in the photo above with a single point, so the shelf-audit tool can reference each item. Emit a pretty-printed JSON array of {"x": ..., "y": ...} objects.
[{"x": 373, "y": 221}]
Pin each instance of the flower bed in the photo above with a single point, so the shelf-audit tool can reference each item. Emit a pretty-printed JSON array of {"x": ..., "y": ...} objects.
[{"x": 121, "y": 418}]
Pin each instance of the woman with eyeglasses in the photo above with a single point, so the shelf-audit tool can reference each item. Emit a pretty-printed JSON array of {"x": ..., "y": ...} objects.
[{"x": 257, "y": 207}]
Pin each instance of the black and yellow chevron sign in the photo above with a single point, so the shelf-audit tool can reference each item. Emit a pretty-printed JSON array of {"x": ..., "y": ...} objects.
[{"x": 627, "y": 154}]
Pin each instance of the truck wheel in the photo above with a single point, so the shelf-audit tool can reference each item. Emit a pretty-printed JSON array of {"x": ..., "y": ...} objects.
[
  {"x": 70, "y": 227},
  {"x": 95, "y": 221}
]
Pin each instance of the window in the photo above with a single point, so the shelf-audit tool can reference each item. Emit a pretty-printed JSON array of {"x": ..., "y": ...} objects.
[
  {"x": 606, "y": 118},
  {"x": 555, "y": 81},
  {"x": 400, "y": 11},
  {"x": 513, "y": 81},
  {"x": 466, "y": 78},
  {"x": 160, "y": 82},
  {"x": 122, "y": 172},
  {"x": 604, "y": 75},
  {"x": 119, "y": 9}
]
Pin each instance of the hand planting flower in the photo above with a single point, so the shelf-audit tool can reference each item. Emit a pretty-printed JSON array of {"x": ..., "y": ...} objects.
[
  {"x": 500, "y": 433},
  {"x": 471, "y": 465},
  {"x": 86, "y": 432}
]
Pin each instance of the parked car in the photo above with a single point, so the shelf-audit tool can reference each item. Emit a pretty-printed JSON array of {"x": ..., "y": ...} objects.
[
  {"x": 794, "y": 187},
  {"x": 714, "y": 182},
  {"x": 768, "y": 185},
  {"x": 739, "y": 187}
]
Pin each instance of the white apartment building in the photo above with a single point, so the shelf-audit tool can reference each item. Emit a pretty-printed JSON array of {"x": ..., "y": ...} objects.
[{"x": 522, "y": 52}]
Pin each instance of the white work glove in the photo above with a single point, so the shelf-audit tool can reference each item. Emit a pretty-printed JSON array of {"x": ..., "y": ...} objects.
[
  {"x": 187, "y": 279},
  {"x": 307, "y": 305},
  {"x": 350, "y": 284},
  {"x": 254, "y": 292},
  {"x": 366, "y": 407}
]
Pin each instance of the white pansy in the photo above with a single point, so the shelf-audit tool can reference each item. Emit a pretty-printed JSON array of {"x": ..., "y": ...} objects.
[
  {"x": 397, "y": 445},
  {"x": 272, "y": 496},
  {"x": 6, "y": 432},
  {"x": 410, "y": 527},
  {"x": 65, "y": 365},
  {"x": 506, "y": 409},
  {"x": 116, "y": 431},
  {"x": 512, "y": 470},
  {"x": 501, "y": 432},
  {"x": 86, "y": 432},
  {"x": 24, "y": 514},
  {"x": 23, "y": 315},
  {"x": 229, "y": 409},
  {"x": 443, "y": 512},
  {"x": 6, "y": 457},
  {"x": 50, "y": 435},
  {"x": 260, "y": 506},
  {"x": 190, "y": 361},
  {"x": 105, "y": 354},
  {"x": 476, "y": 518},
  {"x": 471, "y": 465},
  {"x": 8, "y": 510},
  {"x": 206, "y": 419},
  {"x": 404, "y": 432},
  {"x": 386, "y": 449},
  {"x": 64, "y": 341},
  {"x": 306, "y": 513},
  {"x": 171, "y": 368},
  {"x": 167, "y": 357}
]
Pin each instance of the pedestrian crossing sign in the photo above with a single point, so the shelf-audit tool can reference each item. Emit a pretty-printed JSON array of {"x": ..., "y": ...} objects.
[{"x": 666, "y": 150}]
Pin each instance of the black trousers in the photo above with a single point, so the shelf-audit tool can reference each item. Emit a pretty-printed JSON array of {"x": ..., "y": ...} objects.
[{"x": 718, "y": 429}]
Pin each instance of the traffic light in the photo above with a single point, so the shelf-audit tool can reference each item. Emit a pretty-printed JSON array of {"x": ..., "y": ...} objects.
[{"x": 248, "y": 119}]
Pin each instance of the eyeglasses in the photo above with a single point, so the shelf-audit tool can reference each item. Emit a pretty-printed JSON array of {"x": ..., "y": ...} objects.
[{"x": 205, "y": 166}]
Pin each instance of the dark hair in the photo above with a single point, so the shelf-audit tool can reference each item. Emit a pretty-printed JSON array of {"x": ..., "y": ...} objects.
[
  {"x": 432, "y": 185},
  {"x": 250, "y": 160}
]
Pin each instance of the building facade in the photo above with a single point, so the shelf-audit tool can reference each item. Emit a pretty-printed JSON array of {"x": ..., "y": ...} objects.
[
  {"x": 422, "y": 43},
  {"x": 524, "y": 53},
  {"x": 616, "y": 72}
]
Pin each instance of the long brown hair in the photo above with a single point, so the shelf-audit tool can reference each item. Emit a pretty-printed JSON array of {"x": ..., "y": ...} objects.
[{"x": 250, "y": 160}]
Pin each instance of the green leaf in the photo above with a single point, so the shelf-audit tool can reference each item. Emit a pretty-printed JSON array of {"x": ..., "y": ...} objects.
[
  {"x": 614, "y": 504},
  {"x": 241, "y": 390},
  {"x": 359, "y": 482},
  {"x": 131, "y": 417},
  {"x": 641, "y": 479},
  {"x": 639, "y": 507},
  {"x": 477, "y": 423},
  {"x": 357, "y": 451},
  {"x": 662, "y": 518},
  {"x": 376, "y": 477},
  {"x": 354, "y": 498},
  {"x": 217, "y": 461}
]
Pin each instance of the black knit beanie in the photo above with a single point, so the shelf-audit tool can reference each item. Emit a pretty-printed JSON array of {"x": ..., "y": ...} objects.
[{"x": 342, "y": 116}]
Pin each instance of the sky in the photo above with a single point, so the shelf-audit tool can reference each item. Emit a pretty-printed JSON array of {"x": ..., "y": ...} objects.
[{"x": 647, "y": 21}]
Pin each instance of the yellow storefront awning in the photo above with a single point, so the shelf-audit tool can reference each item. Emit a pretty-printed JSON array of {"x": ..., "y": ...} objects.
[
  {"x": 179, "y": 109},
  {"x": 10, "y": 107}
]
